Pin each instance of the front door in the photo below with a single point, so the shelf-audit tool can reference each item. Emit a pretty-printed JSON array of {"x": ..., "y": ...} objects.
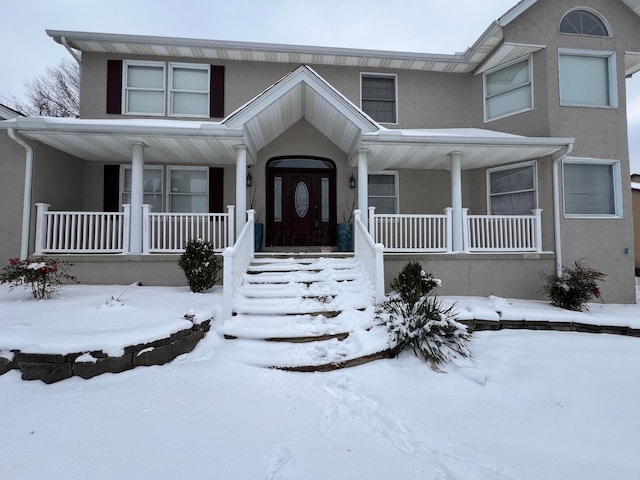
[{"x": 300, "y": 202}]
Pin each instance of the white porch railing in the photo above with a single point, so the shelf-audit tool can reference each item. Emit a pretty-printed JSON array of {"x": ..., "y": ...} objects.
[
  {"x": 370, "y": 255},
  {"x": 503, "y": 233},
  {"x": 81, "y": 232},
  {"x": 236, "y": 261},
  {"x": 169, "y": 232},
  {"x": 411, "y": 232},
  {"x": 433, "y": 233}
]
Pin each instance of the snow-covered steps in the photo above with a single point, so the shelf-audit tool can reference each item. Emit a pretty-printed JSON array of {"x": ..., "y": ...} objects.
[{"x": 315, "y": 313}]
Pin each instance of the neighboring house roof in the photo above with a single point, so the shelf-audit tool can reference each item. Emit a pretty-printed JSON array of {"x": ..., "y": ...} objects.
[
  {"x": 300, "y": 94},
  {"x": 635, "y": 186},
  {"x": 473, "y": 57}
]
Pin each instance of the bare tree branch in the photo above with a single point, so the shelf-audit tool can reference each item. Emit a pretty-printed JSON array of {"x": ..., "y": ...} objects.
[{"x": 55, "y": 93}]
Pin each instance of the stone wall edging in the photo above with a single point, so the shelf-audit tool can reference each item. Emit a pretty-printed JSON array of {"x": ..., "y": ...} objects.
[
  {"x": 51, "y": 368},
  {"x": 480, "y": 325}
]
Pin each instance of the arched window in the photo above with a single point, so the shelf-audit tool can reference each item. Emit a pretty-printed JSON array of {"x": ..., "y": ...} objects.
[{"x": 584, "y": 22}]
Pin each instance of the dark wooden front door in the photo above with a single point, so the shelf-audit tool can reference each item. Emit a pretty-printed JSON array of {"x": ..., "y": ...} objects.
[{"x": 300, "y": 202}]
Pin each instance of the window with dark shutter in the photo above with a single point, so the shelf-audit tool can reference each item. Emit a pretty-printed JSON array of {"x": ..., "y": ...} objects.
[{"x": 114, "y": 86}]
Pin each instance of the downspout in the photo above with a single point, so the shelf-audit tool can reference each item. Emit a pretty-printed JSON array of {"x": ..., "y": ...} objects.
[
  {"x": 77, "y": 58},
  {"x": 28, "y": 184},
  {"x": 556, "y": 208}
]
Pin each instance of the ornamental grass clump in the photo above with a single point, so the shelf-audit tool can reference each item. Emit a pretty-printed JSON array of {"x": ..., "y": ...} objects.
[
  {"x": 574, "y": 287},
  {"x": 415, "y": 318},
  {"x": 44, "y": 275},
  {"x": 200, "y": 265}
]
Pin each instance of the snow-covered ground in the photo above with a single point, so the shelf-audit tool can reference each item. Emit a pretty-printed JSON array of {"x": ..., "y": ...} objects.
[{"x": 529, "y": 405}]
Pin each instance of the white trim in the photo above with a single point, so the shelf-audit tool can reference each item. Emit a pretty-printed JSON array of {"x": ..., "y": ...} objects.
[
  {"x": 169, "y": 95},
  {"x": 595, "y": 12},
  {"x": 617, "y": 186},
  {"x": 528, "y": 58},
  {"x": 613, "y": 82},
  {"x": 395, "y": 84},
  {"x": 532, "y": 163},
  {"x": 125, "y": 89}
]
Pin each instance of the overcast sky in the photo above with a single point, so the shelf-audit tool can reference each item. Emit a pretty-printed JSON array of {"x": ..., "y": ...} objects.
[{"x": 429, "y": 26}]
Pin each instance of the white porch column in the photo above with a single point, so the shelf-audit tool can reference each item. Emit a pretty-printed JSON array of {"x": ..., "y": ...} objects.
[
  {"x": 241, "y": 188},
  {"x": 363, "y": 181},
  {"x": 137, "y": 195},
  {"x": 456, "y": 202}
]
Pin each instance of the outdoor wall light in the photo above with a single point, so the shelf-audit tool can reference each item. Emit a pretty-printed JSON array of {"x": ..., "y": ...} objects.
[
  {"x": 352, "y": 182},
  {"x": 249, "y": 180}
]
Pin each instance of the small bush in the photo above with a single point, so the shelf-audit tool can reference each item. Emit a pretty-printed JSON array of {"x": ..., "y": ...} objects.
[
  {"x": 200, "y": 265},
  {"x": 44, "y": 275},
  {"x": 413, "y": 283},
  {"x": 415, "y": 319},
  {"x": 574, "y": 288}
]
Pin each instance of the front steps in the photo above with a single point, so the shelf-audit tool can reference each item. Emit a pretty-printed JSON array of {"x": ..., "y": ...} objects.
[{"x": 307, "y": 313}]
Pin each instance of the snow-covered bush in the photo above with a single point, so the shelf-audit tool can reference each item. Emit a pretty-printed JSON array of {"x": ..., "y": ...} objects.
[
  {"x": 200, "y": 265},
  {"x": 44, "y": 275},
  {"x": 416, "y": 319},
  {"x": 413, "y": 283},
  {"x": 574, "y": 288}
]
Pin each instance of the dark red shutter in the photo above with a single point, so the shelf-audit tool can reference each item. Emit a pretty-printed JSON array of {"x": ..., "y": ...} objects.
[
  {"x": 216, "y": 92},
  {"x": 114, "y": 86},
  {"x": 216, "y": 182},
  {"x": 111, "y": 194}
]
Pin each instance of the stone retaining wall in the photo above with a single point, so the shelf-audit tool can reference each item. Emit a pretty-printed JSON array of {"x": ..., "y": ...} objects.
[
  {"x": 479, "y": 325},
  {"x": 53, "y": 368}
]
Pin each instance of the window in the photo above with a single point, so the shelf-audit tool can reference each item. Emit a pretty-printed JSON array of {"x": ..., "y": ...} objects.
[
  {"x": 189, "y": 87},
  {"x": 508, "y": 90},
  {"x": 152, "y": 186},
  {"x": 145, "y": 89},
  {"x": 379, "y": 97},
  {"x": 591, "y": 188},
  {"x": 587, "y": 78},
  {"x": 144, "y": 85},
  {"x": 584, "y": 22},
  {"x": 512, "y": 190},
  {"x": 383, "y": 192},
  {"x": 188, "y": 189}
]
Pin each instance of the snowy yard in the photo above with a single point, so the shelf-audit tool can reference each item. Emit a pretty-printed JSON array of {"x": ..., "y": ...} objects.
[{"x": 530, "y": 405}]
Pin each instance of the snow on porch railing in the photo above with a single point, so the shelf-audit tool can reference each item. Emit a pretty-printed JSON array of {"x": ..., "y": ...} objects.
[
  {"x": 236, "y": 262},
  {"x": 169, "y": 232},
  {"x": 503, "y": 233},
  {"x": 411, "y": 232},
  {"x": 81, "y": 232},
  {"x": 370, "y": 254}
]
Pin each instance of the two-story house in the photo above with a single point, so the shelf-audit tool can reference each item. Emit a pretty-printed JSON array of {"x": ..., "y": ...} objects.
[{"x": 489, "y": 166}]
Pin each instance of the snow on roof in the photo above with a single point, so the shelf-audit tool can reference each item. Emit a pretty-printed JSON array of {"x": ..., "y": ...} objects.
[{"x": 635, "y": 186}]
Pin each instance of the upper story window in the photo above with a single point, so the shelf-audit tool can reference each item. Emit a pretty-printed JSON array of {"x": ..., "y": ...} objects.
[
  {"x": 508, "y": 90},
  {"x": 136, "y": 87},
  {"x": 189, "y": 87},
  {"x": 587, "y": 78},
  {"x": 383, "y": 192},
  {"x": 146, "y": 92},
  {"x": 512, "y": 190},
  {"x": 584, "y": 22},
  {"x": 379, "y": 97},
  {"x": 591, "y": 188}
]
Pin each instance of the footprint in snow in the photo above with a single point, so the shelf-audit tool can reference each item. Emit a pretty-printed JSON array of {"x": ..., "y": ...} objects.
[{"x": 279, "y": 463}]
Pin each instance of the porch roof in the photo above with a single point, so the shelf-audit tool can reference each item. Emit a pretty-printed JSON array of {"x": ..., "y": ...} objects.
[
  {"x": 110, "y": 140},
  {"x": 479, "y": 148}
]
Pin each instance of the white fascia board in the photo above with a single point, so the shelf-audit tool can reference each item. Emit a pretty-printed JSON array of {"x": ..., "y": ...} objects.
[
  {"x": 70, "y": 36},
  {"x": 388, "y": 137},
  {"x": 7, "y": 113},
  {"x": 515, "y": 12},
  {"x": 124, "y": 127}
]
